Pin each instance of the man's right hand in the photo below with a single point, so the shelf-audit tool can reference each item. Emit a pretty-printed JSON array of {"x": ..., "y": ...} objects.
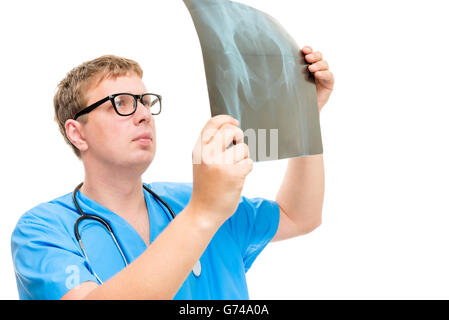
[
  {"x": 219, "y": 172},
  {"x": 218, "y": 177}
]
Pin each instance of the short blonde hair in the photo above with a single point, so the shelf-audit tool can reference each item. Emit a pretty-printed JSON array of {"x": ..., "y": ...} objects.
[{"x": 70, "y": 96}]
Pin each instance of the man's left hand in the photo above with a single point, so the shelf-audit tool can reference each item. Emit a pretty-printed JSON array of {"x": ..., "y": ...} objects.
[{"x": 324, "y": 79}]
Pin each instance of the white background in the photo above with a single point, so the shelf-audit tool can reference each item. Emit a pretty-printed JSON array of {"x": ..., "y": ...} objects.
[{"x": 385, "y": 231}]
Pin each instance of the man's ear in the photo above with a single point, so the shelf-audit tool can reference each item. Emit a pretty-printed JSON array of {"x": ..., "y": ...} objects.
[{"x": 73, "y": 130}]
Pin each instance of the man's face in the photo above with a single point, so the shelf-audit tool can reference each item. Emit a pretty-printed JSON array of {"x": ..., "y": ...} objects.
[{"x": 127, "y": 141}]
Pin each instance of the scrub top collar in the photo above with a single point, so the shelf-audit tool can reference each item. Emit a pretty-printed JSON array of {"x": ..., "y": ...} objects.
[{"x": 123, "y": 230}]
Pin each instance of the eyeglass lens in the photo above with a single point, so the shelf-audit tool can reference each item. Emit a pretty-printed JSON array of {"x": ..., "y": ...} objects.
[{"x": 126, "y": 104}]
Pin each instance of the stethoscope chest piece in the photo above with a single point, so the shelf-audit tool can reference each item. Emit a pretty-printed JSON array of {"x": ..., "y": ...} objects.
[{"x": 197, "y": 269}]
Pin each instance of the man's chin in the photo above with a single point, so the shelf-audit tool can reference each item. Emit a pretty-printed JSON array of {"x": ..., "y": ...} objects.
[{"x": 143, "y": 159}]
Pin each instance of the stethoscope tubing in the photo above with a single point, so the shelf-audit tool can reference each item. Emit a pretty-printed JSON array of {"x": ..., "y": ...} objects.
[{"x": 84, "y": 216}]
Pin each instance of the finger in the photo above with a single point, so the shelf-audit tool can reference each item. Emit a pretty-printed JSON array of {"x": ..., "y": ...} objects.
[
  {"x": 244, "y": 166},
  {"x": 227, "y": 134},
  {"x": 214, "y": 124},
  {"x": 237, "y": 153},
  {"x": 197, "y": 152},
  {"x": 321, "y": 65},
  {"x": 314, "y": 57},
  {"x": 307, "y": 50},
  {"x": 324, "y": 76},
  {"x": 214, "y": 151}
]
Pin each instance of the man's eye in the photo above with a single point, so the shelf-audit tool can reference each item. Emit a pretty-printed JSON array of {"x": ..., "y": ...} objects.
[{"x": 146, "y": 102}]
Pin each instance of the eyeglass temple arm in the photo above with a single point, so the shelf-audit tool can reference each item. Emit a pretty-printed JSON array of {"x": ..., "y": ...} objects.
[{"x": 91, "y": 107}]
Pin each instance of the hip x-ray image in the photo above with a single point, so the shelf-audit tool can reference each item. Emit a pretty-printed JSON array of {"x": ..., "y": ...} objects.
[{"x": 255, "y": 74}]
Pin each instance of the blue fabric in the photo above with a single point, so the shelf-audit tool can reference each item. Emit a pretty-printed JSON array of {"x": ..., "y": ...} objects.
[{"x": 48, "y": 261}]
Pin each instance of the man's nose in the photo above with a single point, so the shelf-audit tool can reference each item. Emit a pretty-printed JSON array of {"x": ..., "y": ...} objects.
[{"x": 142, "y": 113}]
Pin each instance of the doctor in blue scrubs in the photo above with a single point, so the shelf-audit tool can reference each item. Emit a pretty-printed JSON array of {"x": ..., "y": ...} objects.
[{"x": 116, "y": 237}]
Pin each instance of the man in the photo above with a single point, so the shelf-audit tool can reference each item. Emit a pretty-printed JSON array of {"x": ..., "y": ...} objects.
[{"x": 216, "y": 232}]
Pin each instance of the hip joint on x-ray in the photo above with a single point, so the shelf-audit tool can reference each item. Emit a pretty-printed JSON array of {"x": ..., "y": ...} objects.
[{"x": 255, "y": 73}]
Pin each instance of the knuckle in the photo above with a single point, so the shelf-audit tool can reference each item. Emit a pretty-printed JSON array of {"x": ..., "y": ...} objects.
[
  {"x": 250, "y": 164},
  {"x": 218, "y": 119},
  {"x": 244, "y": 148},
  {"x": 215, "y": 120},
  {"x": 205, "y": 134},
  {"x": 240, "y": 132},
  {"x": 212, "y": 123},
  {"x": 227, "y": 127}
]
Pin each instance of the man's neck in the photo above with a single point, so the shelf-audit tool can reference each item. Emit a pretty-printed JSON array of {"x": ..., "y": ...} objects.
[{"x": 119, "y": 190}]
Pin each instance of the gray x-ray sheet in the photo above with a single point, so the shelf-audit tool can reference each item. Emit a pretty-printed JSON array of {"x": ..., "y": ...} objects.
[{"x": 255, "y": 74}]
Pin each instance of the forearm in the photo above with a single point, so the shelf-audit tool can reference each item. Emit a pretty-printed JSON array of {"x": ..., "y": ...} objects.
[
  {"x": 161, "y": 270},
  {"x": 302, "y": 192}
]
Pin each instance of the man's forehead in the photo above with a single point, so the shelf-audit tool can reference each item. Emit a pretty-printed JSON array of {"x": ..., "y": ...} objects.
[{"x": 102, "y": 87}]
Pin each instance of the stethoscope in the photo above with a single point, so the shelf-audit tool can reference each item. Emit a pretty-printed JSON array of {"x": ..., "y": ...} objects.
[{"x": 196, "y": 269}]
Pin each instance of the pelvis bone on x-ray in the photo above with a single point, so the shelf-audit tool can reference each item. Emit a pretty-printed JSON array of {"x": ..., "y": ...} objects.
[{"x": 256, "y": 74}]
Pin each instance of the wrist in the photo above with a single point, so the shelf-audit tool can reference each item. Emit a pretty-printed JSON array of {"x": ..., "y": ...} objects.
[{"x": 203, "y": 218}]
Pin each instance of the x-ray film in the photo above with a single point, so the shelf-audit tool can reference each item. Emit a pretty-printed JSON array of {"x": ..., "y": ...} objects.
[{"x": 255, "y": 74}]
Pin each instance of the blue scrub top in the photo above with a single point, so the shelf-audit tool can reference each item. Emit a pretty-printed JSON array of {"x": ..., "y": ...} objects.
[{"x": 48, "y": 261}]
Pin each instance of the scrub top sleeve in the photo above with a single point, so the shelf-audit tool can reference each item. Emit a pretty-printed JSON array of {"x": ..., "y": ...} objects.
[
  {"x": 253, "y": 225},
  {"x": 47, "y": 263}
]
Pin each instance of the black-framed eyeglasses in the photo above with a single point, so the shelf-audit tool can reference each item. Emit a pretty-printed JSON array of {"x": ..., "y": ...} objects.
[{"x": 125, "y": 104}]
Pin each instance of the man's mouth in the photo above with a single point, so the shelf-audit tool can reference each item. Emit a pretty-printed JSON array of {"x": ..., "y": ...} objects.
[{"x": 144, "y": 139}]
